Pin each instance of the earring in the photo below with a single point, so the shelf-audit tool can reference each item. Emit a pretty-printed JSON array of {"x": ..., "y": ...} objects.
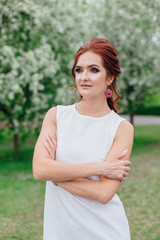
[{"x": 108, "y": 93}]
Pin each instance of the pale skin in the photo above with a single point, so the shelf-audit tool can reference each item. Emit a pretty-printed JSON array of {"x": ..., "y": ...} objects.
[{"x": 73, "y": 177}]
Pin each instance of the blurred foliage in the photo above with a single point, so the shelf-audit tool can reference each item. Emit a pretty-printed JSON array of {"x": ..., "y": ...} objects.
[
  {"x": 134, "y": 28},
  {"x": 153, "y": 99},
  {"x": 38, "y": 42},
  {"x": 151, "y": 107},
  {"x": 148, "y": 110}
]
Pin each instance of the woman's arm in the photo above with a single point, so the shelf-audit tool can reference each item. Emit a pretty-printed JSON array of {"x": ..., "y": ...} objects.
[
  {"x": 46, "y": 168},
  {"x": 105, "y": 189},
  {"x": 44, "y": 165}
]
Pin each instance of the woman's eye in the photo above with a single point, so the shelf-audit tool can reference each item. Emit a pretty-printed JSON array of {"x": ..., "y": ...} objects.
[
  {"x": 95, "y": 70},
  {"x": 78, "y": 70}
]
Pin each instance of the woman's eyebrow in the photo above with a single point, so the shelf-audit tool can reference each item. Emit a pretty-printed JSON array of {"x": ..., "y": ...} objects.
[{"x": 92, "y": 65}]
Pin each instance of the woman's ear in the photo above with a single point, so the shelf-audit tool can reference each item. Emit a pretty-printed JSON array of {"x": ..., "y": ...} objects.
[{"x": 110, "y": 80}]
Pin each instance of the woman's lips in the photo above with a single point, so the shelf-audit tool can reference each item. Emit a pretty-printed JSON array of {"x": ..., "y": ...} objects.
[{"x": 86, "y": 86}]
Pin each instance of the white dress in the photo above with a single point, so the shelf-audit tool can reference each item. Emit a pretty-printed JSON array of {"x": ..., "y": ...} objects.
[{"x": 82, "y": 139}]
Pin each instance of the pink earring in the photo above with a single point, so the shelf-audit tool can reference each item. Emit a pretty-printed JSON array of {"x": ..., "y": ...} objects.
[{"x": 108, "y": 93}]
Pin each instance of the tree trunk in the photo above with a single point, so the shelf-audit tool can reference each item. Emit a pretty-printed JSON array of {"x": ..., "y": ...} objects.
[
  {"x": 132, "y": 118},
  {"x": 16, "y": 144}
]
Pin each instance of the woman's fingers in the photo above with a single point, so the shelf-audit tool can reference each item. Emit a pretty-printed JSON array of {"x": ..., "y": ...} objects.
[
  {"x": 50, "y": 138},
  {"x": 51, "y": 141},
  {"x": 122, "y": 178},
  {"x": 53, "y": 138},
  {"x": 127, "y": 169},
  {"x": 125, "y": 163},
  {"x": 50, "y": 144},
  {"x": 121, "y": 155},
  {"x": 117, "y": 169},
  {"x": 47, "y": 146},
  {"x": 126, "y": 174}
]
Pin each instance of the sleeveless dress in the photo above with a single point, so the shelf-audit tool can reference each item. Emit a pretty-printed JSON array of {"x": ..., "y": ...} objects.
[{"x": 82, "y": 139}]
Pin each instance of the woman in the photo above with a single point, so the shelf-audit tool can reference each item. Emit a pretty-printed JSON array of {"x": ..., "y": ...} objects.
[{"x": 83, "y": 151}]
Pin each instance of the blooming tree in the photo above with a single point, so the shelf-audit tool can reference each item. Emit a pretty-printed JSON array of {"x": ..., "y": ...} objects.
[
  {"x": 27, "y": 67},
  {"x": 134, "y": 29},
  {"x": 39, "y": 39},
  {"x": 37, "y": 42}
]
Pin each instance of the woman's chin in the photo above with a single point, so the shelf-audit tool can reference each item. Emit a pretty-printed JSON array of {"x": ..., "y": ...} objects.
[{"x": 86, "y": 95}]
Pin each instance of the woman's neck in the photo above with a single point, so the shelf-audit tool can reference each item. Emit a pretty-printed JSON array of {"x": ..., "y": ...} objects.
[{"x": 93, "y": 108}]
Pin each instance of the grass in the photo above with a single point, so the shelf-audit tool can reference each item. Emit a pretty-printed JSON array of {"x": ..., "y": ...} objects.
[
  {"x": 21, "y": 201},
  {"x": 22, "y": 198},
  {"x": 140, "y": 193}
]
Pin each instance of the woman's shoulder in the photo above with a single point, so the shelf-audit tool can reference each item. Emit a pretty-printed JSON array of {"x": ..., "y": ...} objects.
[
  {"x": 123, "y": 122},
  {"x": 125, "y": 129},
  {"x": 50, "y": 116},
  {"x": 52, "y": 112},
  {"x": 126, "y": 125},
  {"x": 121, "y": 126}
]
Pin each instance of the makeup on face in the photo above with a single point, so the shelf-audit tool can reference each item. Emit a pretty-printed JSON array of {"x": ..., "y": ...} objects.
[{"x": 90, "y": 75}]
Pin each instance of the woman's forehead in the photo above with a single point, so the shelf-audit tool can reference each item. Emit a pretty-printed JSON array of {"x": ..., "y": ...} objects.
[{"x": 89, "y": 58}]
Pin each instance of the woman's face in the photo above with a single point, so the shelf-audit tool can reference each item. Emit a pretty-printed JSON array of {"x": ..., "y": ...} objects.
[{"x": 90, "y": 75}]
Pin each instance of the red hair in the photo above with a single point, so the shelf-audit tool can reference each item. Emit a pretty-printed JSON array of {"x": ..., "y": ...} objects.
[{"x": 110, "y": 59}]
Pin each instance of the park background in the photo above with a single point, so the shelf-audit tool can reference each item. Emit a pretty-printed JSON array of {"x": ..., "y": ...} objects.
[{"x": 38, "y": 42}]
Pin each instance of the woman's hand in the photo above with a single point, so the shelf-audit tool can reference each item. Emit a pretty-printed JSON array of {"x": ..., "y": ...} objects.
[
  {"x": 116, "y": 168},
  {"x": 51, "y": 144}
]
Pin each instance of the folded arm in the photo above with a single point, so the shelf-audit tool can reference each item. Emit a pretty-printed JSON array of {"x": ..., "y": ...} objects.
[
  {"x": 44, "y": 165},
  {"x": 103, "y": 190}
]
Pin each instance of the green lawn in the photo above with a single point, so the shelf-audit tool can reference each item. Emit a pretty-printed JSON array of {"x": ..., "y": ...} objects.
[
  {"x": 22, "y": 198},
  {"x": 140, "y": 194}
]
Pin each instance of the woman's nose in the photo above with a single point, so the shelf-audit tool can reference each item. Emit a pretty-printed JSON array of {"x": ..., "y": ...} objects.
[{"x": 84, "y": 75}]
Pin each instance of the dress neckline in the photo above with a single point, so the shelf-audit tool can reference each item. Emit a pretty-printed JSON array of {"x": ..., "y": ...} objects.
[{"x": 90, "y": 117}]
